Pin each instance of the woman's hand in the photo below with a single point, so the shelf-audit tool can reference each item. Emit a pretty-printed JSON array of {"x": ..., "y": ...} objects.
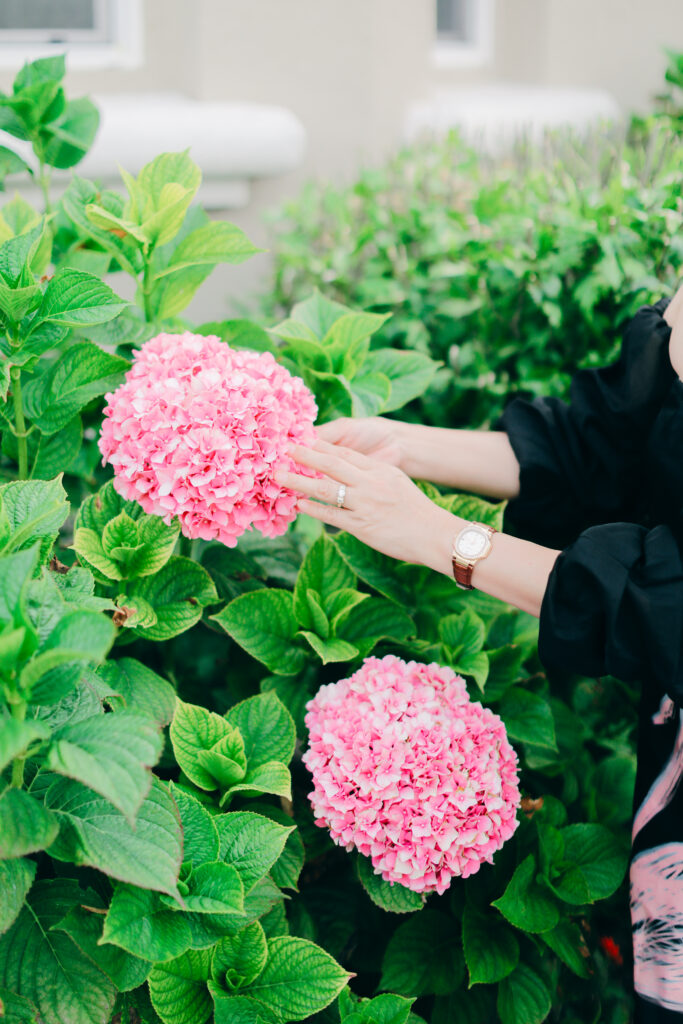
[
  {"x": 381, "y": 505},
  {"x": 372, "y": 436}
]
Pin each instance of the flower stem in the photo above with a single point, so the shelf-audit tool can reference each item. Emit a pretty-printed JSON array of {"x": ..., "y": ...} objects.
[
  {"x": 147, "y": 287},
  {"x": 44, "y": 182},
  {"x": 18, "y": 713},
  {"x": 19, "y": 422}
]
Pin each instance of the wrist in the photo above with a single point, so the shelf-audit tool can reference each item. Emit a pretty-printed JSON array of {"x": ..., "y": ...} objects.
[{"x": 440, "y": 533}]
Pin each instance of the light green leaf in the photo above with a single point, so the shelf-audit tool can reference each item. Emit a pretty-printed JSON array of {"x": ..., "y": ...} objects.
[
  {"x": 289, "y": 865},
  {"x": 200, "y": 836},
  {"x": 251, "y": 843},
  {"x": 11, "y": 163},
  {"x": 79, "y": 638},
  {"x": 266, "y": 727},
  {"x": 142, "y": 689},
  {"x": 209, "y": 245},
  {"x": 94, "y": 833},
  {"x": 238, "y": 960},
  {"x": 263, "y": 623},
  {"x": 523, "y": 997},
  {"x": 319, "y": 313},
  {"x": 212, "y": 889},
  {"x": 468, "y": 507},
  {"x": 195, "y": 731},
  {"x": 299, "y": 978},
  {"x": 72, "y": 133},
  {"x": 16, "y": 878},
  {"x": 76, "y": 299},
  {"x": 178, "y": 593},
  {"x": 271, "y": 777},
  {"x": 178, "y": 989},
  {"x": 525, "y": 904},
  {"x": 81, "y": 373},
  {"x": 424, "y": 956},
  {"x": 323, "y": 571},
  {"x": 140, "y": 923},
  {"x": 26, "y": 826},
  {"x": 410, "y": 374},
  {"x": 377, "y": 570},
  {"x": 16, "y": 737},
  {"x": 84, "y": 925},
  {"x": 464, "y": 633},
  {"x": 34, "y": 508},
  {"x": 55, "y": 975},
  {"x": 112, "y": 754},
  {"x": 392, "y": 897},
  {"x": 330, "y": 650},
  {"x": 56, "y": 452},
  {"x": 373, "y": 620}
]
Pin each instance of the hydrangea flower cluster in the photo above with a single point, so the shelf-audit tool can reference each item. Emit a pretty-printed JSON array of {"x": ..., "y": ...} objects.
[
  {"x": 197, "y": 431},
  {"x": 410, "y": 772}
]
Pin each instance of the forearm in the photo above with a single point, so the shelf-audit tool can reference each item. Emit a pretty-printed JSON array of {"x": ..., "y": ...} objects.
[
  {"x": 477, "y": 461},
  {"x": 515, "y": 571}
]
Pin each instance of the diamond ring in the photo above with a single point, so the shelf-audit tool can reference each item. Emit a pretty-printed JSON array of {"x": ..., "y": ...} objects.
[{"x": 341, "y": 494}]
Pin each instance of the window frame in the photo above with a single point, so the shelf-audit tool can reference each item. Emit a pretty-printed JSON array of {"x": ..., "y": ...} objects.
[
  {"x": 116, "y": 43},
  {"x": 452, "y": 53}
]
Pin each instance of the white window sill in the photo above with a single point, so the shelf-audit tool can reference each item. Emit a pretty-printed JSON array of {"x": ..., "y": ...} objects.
[{"x": 451, "y": 56}]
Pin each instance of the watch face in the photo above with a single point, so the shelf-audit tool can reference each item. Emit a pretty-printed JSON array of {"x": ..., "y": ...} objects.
[{"x": 471, "y": 543}]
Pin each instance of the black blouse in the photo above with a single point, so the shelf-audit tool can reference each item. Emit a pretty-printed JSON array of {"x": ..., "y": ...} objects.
[{"x": 601, "y": 478}]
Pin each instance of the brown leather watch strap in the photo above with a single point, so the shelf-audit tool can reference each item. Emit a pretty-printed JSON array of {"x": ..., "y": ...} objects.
[{"x": 462, "y": 569}]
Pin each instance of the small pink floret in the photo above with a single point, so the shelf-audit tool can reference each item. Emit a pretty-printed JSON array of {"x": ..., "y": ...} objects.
[
  {"x": 198, "y": 430},
  {"x": 411, "y": 772}
]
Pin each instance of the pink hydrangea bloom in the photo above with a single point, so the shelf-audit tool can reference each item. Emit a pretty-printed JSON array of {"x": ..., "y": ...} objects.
[
  {"x": 197, "y": 431},
  {"x": 410, "y": 772}
]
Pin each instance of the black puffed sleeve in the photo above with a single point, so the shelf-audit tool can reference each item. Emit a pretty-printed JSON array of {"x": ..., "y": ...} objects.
[
  {"x": 579, "y": 460},
  {"x": 614, "y": 606}
]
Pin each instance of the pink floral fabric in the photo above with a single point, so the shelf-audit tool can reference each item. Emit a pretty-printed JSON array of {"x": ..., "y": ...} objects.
[
  {"x": 197, "y": 431},
  {"x": 410, "y": 772}
]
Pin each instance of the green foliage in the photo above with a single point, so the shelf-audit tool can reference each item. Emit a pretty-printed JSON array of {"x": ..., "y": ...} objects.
[{"x": 512, "y": 272}]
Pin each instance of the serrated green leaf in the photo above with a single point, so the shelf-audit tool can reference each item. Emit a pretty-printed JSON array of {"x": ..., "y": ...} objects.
[
  {"x": 71, "y": 135},
  {"x": 289, "y": 865},
  {"x": 178, "y": 989},
  {"x": 374, "y": 568},
  {"x": 318, "y": 313},
  {"x": 56, "y": 452},
  {"x": 598, "y": 855},
  {"x": 331, "y": 650},
  {"x": 525, "y": 904},
  {"x": 140, "y": 923},
  {"x": 212, "y": 889},
  {"x": 84, "y": 925},
  {"x": 111, "y": 754},
  {"x": 80, "y": 637},
  {"x": 238, "y": 960},
  {"x": 490, "y": 947},
  {"x": 523, "y": 997},
  {"x": 251, "y": 843},
  {"x": 285, "y": 986},
  {"x": 196, "y": 731},
  {"x": 16, "y": 737},
  {"x": 47, "y": 967},
  {"x": 262, "y": 622},
  {"x": 266, "y": 727},
  {"x": 142, "y": 689},
  {"x": 16, "y": 878},
  {"x": 409, "y": 373},
  {"x": 568, "y": 943},
  {"x": 94, "y": 833},
  {"x": 424, "y": 956},
  {"x": 394, "y": 898},
  {"x": 76, "y": 299},
  {"x": 34, "y": 509},
  {"x": 374, "y": 620},
  {"x": 528, "y": 717},
  {"x": 200, "y": 836},
  {"x": 26, "y": 826},
  {"x": 178, "y": 593}
]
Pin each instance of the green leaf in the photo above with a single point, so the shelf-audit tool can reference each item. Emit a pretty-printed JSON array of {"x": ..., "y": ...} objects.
[
  {"x": 14, "y": 580},
  {"x": 410, "y": 374},
  {"x": 266, "y": 727},
  {"x": 568, "y": 943},
  {"x": 196, "y": 731},
  {"x": 238, "y": 960},
  {"x": 597, "y": 854},
  {"x": 72, "y": 134},
  {"x": 79, "y": 638},
  {"x": 80, "y": 374},
  {"x": 178, "y": 989},
  {"x": 142, "y": 689},
  {"x": 318, "y": 313},
  {"x": 525, "y": 904},
  {"x": 34, "y": 509},
  {"x": 240, "y": 1009},
  {"x": 17, "y": 737},
  {"x": 88, "y": 547},
  {"x": 348, "y": 340},
  {"x": 200, "y": 836},
  {"x": 299, "y": 978},
  {"x": 212, "y": 889},
  {"x": 93, "y": 833},
  {"x": 490, "y": 947},
  {"x": 374, "y": 620},
  {"x": 423, "y": 956},
  {"x": 56, "y": 452},
  {"x": 25, "y": 824},
  {"x": 271, "y": 777},
  {"x": 330, "y": 650},
  {"x": 323, "y": 571},
  {"x": 262, "y": 622},
  {"x": 112, "y": 754},
  {"x": 17, "y": 1009},
  {"x": 140, "y": 923},
  {"x": 16, "y": 303},
  {"x": 392, "y": 897},
  {"x": 464, "y": 633},
  {"x": 523, "y": 997},
  {"x": 16, "y": 878},
  {"x": 11, "y": 163},
  {"x": 178, "y": 593},
  {"x": 209, "y": 245},
  {"x": 468, "y": 507},
  {"x": 528, "y": 718},
  {"x": 289, "y": 865},
  {"x": 84, "y": 925},
  {"x": 251, "y": 843},
  {"x": 377, "y": 570},
  {"x": 76, "y": 299},
  {"x": 370, "y": 393},
  {"x": 47, "y": 967}
]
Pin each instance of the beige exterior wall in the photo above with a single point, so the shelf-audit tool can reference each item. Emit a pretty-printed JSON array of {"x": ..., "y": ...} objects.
[{"x": 349, "y": 69}]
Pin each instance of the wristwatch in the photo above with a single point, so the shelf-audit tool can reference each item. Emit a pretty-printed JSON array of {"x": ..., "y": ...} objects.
[{"x": 473, "y": 543}]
